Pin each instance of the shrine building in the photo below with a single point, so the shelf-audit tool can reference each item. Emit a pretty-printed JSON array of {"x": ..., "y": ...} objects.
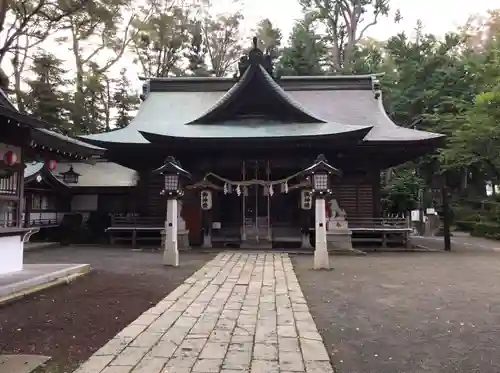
[
  {"x": 24, "y": 138},
  {"x": 244, "y": 138}
]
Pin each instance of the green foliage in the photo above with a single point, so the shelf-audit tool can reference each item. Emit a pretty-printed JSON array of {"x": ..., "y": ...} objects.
[
  {"x": 159, "y": 40},
  {"x": 46, "y": 98},
  {"x": 347, "y": 21},
  {"x": 306, "y": 53},
  {"x": 125, "y": 101},
  {"x": 223, "y": 42},
  {"x": 197, "y": 52},
  {"x": 402, "y": 192},
  {"x": 269, "y": 38},
  {"x": 486, "y": 229}
]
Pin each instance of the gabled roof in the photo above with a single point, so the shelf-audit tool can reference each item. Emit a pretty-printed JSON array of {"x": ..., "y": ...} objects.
[
  {"x": 41, "y": 137},
  {"x": 256, "y": 94},
  {"x": 102, "y": 174},
  {"x": 188, "y": 108}
]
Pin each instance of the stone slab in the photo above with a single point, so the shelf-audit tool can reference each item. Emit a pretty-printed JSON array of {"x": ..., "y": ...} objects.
[
  {"x": 37, "y": 277},
  {"x": 242, "y": 312},
  {"x": 21, "y": 363}
]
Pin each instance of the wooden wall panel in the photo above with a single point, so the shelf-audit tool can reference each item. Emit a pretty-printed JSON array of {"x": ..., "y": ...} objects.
[{"x": 355, "y": 196}]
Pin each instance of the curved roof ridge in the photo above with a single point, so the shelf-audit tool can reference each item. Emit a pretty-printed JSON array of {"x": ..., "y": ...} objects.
[
  {"x": 231, "y": 97},
  {"x": 389, "y": 130}
]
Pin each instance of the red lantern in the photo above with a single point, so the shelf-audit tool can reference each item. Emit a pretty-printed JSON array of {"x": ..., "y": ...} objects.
[
  {"x": 51, "y": 164},
  {"x": 10, "y": 158}
]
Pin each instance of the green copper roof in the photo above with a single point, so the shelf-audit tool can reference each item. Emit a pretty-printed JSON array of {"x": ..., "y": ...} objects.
[
  {"x": 239, "y": 130},
  {"x": 257, "y": 88},
  {"x": 343, "y": 103}
]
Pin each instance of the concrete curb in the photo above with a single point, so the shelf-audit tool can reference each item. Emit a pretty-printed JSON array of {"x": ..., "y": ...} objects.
[
  {"x": 35, "y": 246},
  {"x": 21, "y": 289}
]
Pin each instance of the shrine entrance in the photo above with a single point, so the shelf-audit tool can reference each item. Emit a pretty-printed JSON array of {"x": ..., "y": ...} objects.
[{"x": 256, "y": 205}]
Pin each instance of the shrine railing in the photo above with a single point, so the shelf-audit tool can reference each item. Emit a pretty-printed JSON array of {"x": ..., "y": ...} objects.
[
  {"x": 393, "y": 223},
  {"x": 136, "y": 221}
]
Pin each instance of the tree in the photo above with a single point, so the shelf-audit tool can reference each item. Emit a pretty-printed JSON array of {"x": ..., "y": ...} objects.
[
  {"x": 125, "y": 101},
  {"x": 46, "y": 98},
  {"x": 197, "y": 52},
  {"x": 97, "y": 102},
  {"x": 475, "y": 144},
  {"x": 269, "y": 38},
  {"x": 223, "y": 42},
  {"x": 25, "y": 24},
  {"x": 159, "y": 40},
  {"x": 401, "y": 194},
  {"x": 93, "y": 32},
  {"x": 347, "y": 22},
  {"x": 306, "y": 53},
  {"x": 369, "y": 57}
]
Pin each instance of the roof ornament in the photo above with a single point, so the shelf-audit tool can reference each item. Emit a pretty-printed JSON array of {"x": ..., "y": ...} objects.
[
  {"x": 145, "y": 90},
  {"x": 377, "y": 92},
  {"x": 255, "y": 57}
]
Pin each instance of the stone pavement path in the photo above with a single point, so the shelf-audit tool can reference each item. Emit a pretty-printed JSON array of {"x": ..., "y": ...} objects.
[{"x": 239, "y": 313}]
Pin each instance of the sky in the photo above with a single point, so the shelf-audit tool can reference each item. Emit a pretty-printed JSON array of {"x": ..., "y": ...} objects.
[{"x": 438, "y": 16}]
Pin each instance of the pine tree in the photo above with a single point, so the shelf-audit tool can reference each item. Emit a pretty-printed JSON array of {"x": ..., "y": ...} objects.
[
  {"x": 125, "y": 101},
  {"x": 197, "y": 52},
  {"x": 306, "y": 53},
  {"x": 46, "y": 98}
]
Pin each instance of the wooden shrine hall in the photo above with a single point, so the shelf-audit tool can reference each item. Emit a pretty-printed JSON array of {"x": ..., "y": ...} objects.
[
  {"x": 243, "y": 138},
  {"x": 24, "y": 138}
]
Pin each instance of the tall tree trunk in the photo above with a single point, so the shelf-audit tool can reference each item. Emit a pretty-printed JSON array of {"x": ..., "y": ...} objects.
[{"x": 79, "y": 99}]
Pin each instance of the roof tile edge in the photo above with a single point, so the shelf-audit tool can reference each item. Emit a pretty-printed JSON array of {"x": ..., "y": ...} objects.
[{"x": 288, "y": 83}]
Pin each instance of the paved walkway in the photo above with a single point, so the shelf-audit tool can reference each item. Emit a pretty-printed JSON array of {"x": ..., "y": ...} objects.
[
  {"x": 462, "y": 242},
  {"x": 239, "y": 313}
]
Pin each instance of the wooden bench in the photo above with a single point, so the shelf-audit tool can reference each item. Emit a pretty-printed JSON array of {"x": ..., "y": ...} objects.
[
  {"x": 134, "y": 229},
  {"x": 385, "y": 231}
]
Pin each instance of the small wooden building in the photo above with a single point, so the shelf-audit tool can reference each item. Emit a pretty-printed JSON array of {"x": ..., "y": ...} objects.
[
  {"x": 258, "y": 126},
  {"x": 23, "y": 137},
  {"x": 101, "y": 188}
]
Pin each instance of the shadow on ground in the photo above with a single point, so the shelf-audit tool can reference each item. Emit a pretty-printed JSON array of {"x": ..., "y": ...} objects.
[{"x": 407, "y": 312}]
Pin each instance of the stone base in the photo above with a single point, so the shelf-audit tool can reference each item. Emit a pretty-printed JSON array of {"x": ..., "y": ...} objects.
[
  {"x": 182, "y": 239},
  {"x": 207, "y": 242},
  {"x": 339, "y": 240}
]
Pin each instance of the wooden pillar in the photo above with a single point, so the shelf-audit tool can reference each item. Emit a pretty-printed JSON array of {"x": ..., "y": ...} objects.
[
  {"x": 377, "y": 208},
  {"x": 27, "y": 209},
  {"x": 20, "y": 191}
]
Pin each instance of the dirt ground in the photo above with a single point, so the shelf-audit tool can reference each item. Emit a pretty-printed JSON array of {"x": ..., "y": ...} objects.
[
  {"x": 70, "y": 322},
  {"x": 408, "y": 312}
]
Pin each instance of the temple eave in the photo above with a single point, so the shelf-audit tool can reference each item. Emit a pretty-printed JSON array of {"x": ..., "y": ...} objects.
[{"x": 356, "y": 134}]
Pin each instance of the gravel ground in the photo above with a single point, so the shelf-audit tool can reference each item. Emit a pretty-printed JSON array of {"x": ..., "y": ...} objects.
[
  {"x": 407, "y": 312},
  {"x": 71, "y": 322}
]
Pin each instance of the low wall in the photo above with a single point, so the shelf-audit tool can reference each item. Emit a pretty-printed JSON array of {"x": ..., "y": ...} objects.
[{"x": 11, "y": 252}]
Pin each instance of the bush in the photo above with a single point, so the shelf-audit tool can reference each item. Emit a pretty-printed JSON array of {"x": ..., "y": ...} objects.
[
  {"x": 487, "y": 229},
  {"x": 465, "y": 226}
]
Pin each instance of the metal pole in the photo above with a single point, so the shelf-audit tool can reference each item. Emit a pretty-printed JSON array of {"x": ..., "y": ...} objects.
[
  {"x": 243, "y": 204},
  {"x": 257, "y": 201},
  {"x": 446, "y": 214},
  {"x": 268, "y": 202}
]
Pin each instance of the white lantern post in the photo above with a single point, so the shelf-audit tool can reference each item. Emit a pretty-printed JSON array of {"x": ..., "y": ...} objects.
[
  {"x": 321, "y": 173},
  {"x": 172, "y": 172}
]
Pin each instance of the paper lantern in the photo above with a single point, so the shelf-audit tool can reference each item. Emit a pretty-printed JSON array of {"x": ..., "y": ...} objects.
[
  {"x": 10, "y": 158},
  {"x": 51, "y": 164}
]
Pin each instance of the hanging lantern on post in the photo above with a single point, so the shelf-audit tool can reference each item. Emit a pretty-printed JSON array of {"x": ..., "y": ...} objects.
[{"x": 10, "y": 158}]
